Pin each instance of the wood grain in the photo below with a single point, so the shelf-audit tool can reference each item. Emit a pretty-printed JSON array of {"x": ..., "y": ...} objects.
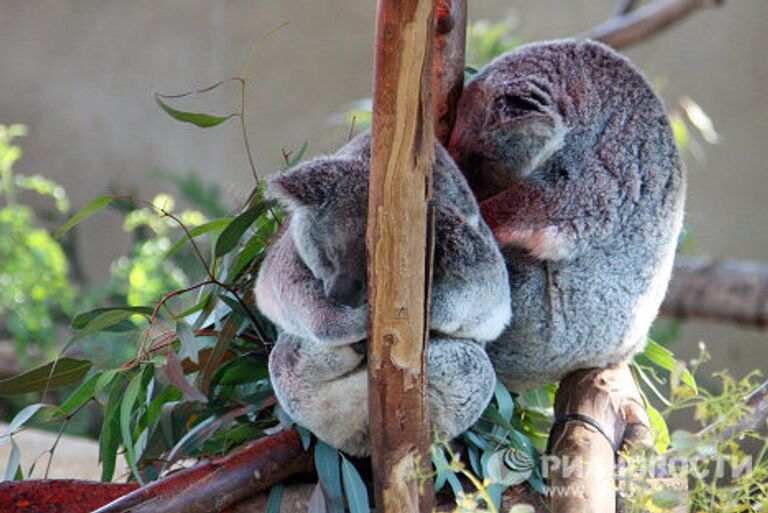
[{"x": 402, "y": 157}]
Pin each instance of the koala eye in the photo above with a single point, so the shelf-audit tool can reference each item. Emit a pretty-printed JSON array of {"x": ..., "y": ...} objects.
[{"x": 514, "y": 106}]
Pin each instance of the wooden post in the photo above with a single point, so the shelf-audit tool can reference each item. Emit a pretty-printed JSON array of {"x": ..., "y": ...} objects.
[{"x": 399, "y": 256}]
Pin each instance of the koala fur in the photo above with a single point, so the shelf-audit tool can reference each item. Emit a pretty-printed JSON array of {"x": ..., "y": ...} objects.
[
  {"x": 570, "y": 152},
  {"x": 312, "y": 285}
]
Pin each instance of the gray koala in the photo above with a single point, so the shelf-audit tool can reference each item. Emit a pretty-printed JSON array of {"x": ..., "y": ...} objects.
[
  {"x": 570, "y": 152},
  {"x": 312, "y": 285}
]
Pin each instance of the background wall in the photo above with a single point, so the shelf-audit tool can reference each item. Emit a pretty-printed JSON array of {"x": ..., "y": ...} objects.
[{"x": 81, "y": 73}]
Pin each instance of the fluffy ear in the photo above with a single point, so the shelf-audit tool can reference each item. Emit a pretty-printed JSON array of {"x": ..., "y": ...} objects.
[{"x": 309, "y": 184}]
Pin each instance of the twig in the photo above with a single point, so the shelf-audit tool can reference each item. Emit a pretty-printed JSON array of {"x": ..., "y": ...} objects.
[{"x": 636, "y": 26}]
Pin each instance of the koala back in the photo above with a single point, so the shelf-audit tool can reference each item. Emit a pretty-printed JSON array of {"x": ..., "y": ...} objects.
[{"x": 570, "y": 150}]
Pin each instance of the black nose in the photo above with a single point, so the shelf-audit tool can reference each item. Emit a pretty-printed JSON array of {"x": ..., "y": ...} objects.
[
  {"x": 361, "y": 347},
  {"x": 347, "y": 291}
]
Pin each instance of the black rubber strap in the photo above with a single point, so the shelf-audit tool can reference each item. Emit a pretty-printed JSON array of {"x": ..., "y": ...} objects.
[{"x": 587, "y": 420}]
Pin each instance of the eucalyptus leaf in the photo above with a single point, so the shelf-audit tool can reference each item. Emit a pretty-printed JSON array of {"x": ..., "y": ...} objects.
[
  {"x": 195, "y": 118},
  {"x": 84, "y": 213},
  {"x": 275, "y": 498},
  {"x": 327, "y": 465},
  {"x": 62, "y": 372},
  {"x": 230, "y": 236},
  {"x": 354, "y": 488}
]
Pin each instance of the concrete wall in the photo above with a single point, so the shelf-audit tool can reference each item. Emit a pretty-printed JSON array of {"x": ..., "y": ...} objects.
[{"x": 81, "y": 74}]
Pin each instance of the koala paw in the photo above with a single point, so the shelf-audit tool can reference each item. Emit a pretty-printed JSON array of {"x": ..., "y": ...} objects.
[{"x": 326, "y": 388}]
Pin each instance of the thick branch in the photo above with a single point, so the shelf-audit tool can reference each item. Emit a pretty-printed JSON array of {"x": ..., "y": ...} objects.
[
  {"x": 448, "y": 64},
  {"x": 724, "y": 291},
  {"x": 580, "y": 464},
  {"x": 636, "y": 26},
  {"x": 222, "y": 482},
  {"x": 399, "y": 260}
]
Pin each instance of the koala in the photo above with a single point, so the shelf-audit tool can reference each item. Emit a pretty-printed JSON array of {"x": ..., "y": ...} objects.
[
  {"x": 570, "y": 152},
  {"x": 312, "y": 285}
]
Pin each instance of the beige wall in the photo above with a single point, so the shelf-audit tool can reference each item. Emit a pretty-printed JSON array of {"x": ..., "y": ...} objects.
[{"x": 81, "y": 74}]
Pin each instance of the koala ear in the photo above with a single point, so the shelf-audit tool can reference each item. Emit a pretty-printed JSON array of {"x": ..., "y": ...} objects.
[{"x": 309, "y": 184}]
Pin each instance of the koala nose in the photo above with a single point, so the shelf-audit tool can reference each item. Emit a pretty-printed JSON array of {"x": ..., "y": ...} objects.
[
  {"x": 346, "y": 290},
  {"x": 360, "y": 347}
]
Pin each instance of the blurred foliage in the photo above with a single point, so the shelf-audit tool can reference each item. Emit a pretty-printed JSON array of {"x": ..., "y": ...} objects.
[{"x": 34, "y": 283}]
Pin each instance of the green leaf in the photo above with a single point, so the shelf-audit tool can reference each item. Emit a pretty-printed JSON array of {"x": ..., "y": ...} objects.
[
  {"x": 84, "y": 213},
  {"x": 660, "y": 430},
  {"x": 102, "y": 322},
  {"x": 230, "y": 236},
  {"x": 665, "y": 359},
  {"x": 20, "y": 419},
  {"x": 275, "y": 498},
  {"x": 327, "y": 465},
  {"x": 61, "y": 372},
  {"x": 504, "y": 400},
  {"x": 354, "y": 488},
  {"x": 195, "y": 118},
  {"x": 14, "y": 462},
  {"x": 211, "y": 226},
  {"x": 109, "y": 439},
  {"x": 81, "y": 395},
  {"x": 126, "y": 414},
  {"x": 84, "y": 319}
]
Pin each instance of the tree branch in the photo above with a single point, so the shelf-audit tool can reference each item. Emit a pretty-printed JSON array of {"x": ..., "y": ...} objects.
[
  {"x": 448, "y": 64},
  {"x": 581, "y": 461},
  {"x": 636, "y": 26},
  {"x": 220, "y": 483},
  {"x": 724, "y": 291}
]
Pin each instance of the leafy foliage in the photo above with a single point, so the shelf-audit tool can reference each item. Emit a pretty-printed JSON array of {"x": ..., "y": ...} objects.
[{"x": 34, "y": 285}]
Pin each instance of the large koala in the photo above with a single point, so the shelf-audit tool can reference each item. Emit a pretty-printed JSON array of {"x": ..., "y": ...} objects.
[
  {"x": 570, "y": 152},
  {"x": 312, "y": 285}
]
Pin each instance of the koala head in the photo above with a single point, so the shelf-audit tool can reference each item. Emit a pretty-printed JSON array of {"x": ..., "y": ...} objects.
[
  {"x": 522, "y": 112},
  {"x": 327, "y": 198}
]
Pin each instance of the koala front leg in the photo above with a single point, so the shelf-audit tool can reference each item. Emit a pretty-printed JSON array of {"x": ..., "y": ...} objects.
[
  {"x": 461, "y": 383},
  {"x": 555, "y": 220},
  {"x": 324, "y": 389},
  {"x": 291, "y": 297},
  {"x": 470, "y": 295}
]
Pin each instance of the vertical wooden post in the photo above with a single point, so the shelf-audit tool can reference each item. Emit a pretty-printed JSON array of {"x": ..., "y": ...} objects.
[{"x": 399, "y": 256}]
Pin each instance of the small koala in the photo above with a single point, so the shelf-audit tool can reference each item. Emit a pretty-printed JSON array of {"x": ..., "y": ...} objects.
[
  {"x": 570, "y": 152},
  {"x": 312, "y": 285}
]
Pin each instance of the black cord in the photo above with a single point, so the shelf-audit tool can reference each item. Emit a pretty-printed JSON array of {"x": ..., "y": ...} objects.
[{"x": 587, "y": 420}]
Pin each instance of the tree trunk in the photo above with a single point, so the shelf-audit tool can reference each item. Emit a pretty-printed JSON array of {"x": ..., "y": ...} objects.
[{"x": 399, "y": 255}]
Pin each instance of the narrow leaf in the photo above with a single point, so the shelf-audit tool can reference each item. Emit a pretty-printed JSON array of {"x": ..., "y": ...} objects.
[
  {"x": 211, "y": 226},
  {"x": 61, "y": 372},
  {"x": 109, "y": 439},
  {"x": 275, "y": 498},
  {"x": 195, "y": 118},
  {"x": 327, "y": 465},
  {"x": 14, "y": 462},
  {"x": 101, "y": 322},
  {"x": 126, "y": 415},
  {"x": 84, "y": 319},
  {"x": 81, "y": 395},
  {"x": 230, "y": 236},
  {"x": 175, "y": 374},
  {"x": 20, "y": 419},
  {"x": 84, "y": 213},
  {"x": 354, "y": 488}
]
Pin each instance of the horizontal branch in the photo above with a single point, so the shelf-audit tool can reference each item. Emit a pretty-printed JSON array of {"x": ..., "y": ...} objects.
[
  {"x": 221, "y": 482},
  {"x": 728, "y": 291},
  {"x": 636, "y": 26}
]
